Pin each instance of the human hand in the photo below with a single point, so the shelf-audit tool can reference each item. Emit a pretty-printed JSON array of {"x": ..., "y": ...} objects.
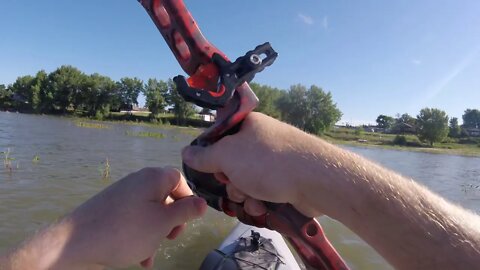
[
  {"x": 264, "y": 161},
  {"x": 124, "y": 224}
]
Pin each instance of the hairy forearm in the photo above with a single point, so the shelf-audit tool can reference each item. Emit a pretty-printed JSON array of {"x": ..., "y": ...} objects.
[
  {"x": 406, "y": 223},
  {"x": 45, "y": 250}
]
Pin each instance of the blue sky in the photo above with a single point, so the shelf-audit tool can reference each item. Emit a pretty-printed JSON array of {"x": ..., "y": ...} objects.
[{"x": 376, "y": 57}]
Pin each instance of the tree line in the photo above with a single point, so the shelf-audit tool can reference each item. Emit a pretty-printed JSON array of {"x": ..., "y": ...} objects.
[
  {"x": 432, "y": 125},
  {"x": 69, "y": 90}
]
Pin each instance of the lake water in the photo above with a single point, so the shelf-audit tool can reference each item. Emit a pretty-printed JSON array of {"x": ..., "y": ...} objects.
[{"x": 71, "y": 160}]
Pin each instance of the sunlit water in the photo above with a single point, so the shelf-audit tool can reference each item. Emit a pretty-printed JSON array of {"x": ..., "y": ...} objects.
[{"x": 71, "y": 160}]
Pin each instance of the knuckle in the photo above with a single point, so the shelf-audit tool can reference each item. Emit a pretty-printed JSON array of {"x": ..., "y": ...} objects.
[
  {"x": 152, "y": 176},
  {"x": 253, "y": 119},
  {"x": 149, "y": 171},
  {"x": 171, "y": 173}
]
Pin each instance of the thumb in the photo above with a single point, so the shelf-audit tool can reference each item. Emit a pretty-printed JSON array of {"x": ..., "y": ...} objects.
[
  {"x": 186, "y": 209},
  {"x": 203, "y": 159}
]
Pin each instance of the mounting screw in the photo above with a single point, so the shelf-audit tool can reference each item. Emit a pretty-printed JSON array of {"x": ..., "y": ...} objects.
[{"x": 255, "y": 59}]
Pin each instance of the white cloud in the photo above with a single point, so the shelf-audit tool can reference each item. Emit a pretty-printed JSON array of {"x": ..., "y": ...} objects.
[
  {"x": 325, "y": 22},
  {"x": 416, "y": 62},
  {"x": 306, "y": 19}
]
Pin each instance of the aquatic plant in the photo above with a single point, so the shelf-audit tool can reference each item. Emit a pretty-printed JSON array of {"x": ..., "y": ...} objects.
[
  {"x": 176, "y": 138},
  {"x": 105, "y": 170},
  {"x": 7, "y": 161},
  {"x": 145, "y": 134},
  {"x": 194, "y": 132},
  {"x": 469, "y": 187},
  {"x": 91, "y": 125}
]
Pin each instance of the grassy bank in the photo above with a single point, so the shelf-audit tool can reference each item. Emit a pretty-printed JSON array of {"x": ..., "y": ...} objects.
[
  {"x": 165, "y": 119},
  {"x": 345, "y": 136},
  {"x": 192, "y": 127},
  {"x": 464, "y": 147}
]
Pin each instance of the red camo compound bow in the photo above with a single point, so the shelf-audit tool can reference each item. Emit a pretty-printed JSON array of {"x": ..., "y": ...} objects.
[{"x": 221, "y": 85}]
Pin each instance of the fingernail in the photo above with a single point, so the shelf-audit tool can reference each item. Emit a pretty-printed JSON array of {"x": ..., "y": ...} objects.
[
  {"x": 147, "y": 263},
  {"x": 255, "y": 208}
]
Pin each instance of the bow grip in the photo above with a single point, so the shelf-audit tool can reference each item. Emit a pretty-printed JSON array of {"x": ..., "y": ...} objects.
[{"x": 205, "y": 185}]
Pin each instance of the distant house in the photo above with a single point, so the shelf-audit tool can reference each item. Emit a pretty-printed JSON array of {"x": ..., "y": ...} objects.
[
  {"x": 374, "y": 129},
  {"x": 207, "y": 116},
  {"x": 347, "y": 126},
  {"x": 403, "y": 128},
  {"x": 473, "y": 132}
]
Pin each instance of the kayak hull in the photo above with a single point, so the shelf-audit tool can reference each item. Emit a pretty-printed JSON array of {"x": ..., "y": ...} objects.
[{"x": 248, "y": 247}]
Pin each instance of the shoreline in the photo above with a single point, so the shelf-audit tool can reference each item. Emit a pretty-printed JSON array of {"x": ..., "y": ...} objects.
[
  {"x": 471, "y": 151},
  {"x": 456, "y": 149}
]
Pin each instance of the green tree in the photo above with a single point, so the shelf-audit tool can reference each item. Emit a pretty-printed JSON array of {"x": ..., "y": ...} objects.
[
  {"x": 312, "y": 110},
  {"x": 454, "y": 128},
  {"x": 98, "y": 95},
  {"x": 471, "y": 118},
  {"x": 432, "y": 125},
  {"x": 384, "y": 121},
  {"x": 323, "y": 112},
  {"x": 155, "y": 96},
  {"x": 39, "y": 84},
  {"x": 65, "y": 86},
  {"x": 5, "y": 98},
  {"x": 129, "y": 89},
  {"x": 269, "y": 98},
  {"x": 293, "y": 106},
  {"x": 181, "y": 109}
]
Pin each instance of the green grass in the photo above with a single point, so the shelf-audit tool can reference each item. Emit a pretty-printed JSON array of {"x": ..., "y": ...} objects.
[
  {"x": 144, "y": 134},
  {"x": 371, "y": 139},
  {"x": 194, "y": 132},
  {"x": 83, "y": 124}
]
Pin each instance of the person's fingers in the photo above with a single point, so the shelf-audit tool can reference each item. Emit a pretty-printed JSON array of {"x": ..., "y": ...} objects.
[
  {"x": 162, "y": 184},
  {"x": 153, "y": 183},
  {"x": 203, "y": 159},
  {"x": 235, "y": 195},
  {"x": 176, "y": 231},
  {"x": 148, "y": 263},
  {"x": 185, "y": 209},
  {"x": 222, "y": 178},
  {"x": 254, "y": 207},
  {"x": 182, "y": 190}
]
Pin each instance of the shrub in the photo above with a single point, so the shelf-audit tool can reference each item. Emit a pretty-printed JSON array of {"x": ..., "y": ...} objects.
[
  {"x": 468, "y": 140},
  {"x": 99, "y": 115},
  {"x": 449, "y": 140},
  {"x": 359, "y": 131},
  {"x": 400, "y": 140},
  {"x": 414, "y": 141}
]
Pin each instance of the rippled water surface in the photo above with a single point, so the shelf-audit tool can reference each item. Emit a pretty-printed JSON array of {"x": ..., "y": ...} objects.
[{"x": 71, "y": 160}]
